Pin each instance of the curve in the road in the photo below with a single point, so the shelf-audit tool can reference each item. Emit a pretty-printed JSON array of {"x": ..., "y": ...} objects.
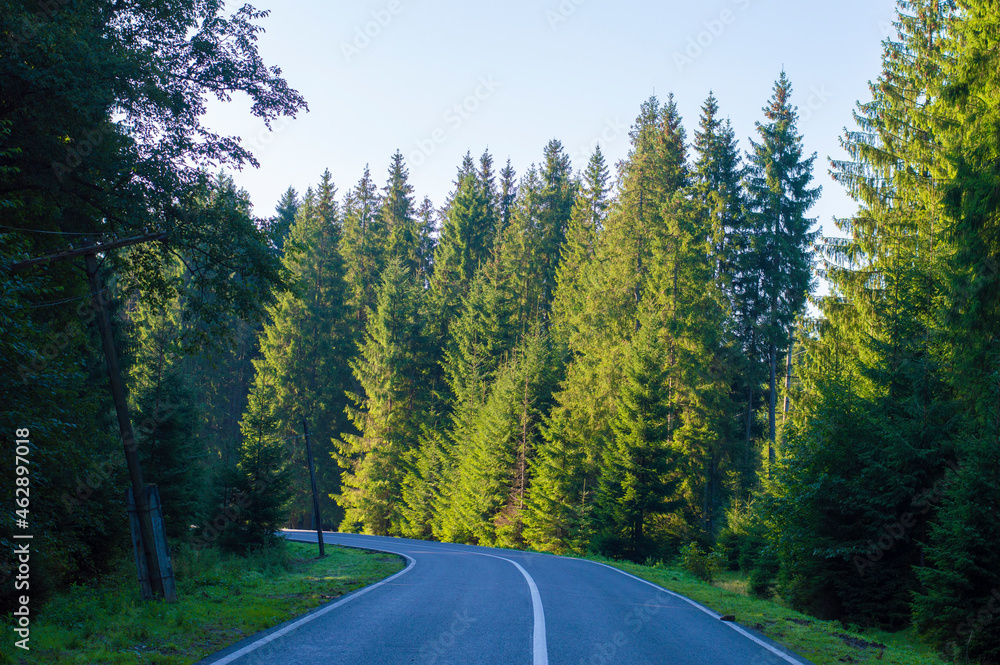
[
  {"x": 433, "y": 612},
  {"x": 539, "y": 648}
]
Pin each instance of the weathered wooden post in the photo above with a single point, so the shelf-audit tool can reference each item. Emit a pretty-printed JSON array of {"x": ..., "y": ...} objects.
[
  {"x": 147, "y": 537},
  {"x": 151, "y": 564}
]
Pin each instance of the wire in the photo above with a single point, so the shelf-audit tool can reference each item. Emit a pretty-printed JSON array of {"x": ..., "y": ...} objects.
[
  {"x": 57, "y": 233},
  {"x": 60, "y": 302}
]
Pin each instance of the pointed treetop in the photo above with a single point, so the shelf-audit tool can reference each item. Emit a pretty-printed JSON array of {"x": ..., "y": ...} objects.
[
  {"x": 326, "y": 197},
  {"x": 779, "y": 106}
]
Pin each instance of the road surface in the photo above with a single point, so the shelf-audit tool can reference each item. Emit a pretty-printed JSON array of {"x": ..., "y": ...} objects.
[{"x": 464, "y": 605}]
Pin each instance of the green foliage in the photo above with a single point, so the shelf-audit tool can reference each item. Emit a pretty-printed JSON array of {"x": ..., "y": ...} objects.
[
  {"x": 55, "y": 385},
  {"x": 364, "y": 246},
  {"x": 89, "y": 174},
  {"x": 781, "y": 236},
  {"x": 492, "y": 472},
  {"x": 109, "y": 112},
  {"x": 718, "y": 187},
  {"x": 260, "y": 483},
  {"x": 703, "y": 566},
  {"x": 280, "y": 225},
  {"x": 170, "y": 452},
  {"x": 901, "y": 375},
  {"x": 640, "y": 477},
  {"x": 387, "y": 411},
  {"x": 740, "y": 538},
  {"x": 845, "y": 513},
  {"x": 428, "y": 468},
  {"x": 482, "y": 341},
  {"x": 960, "y": 596},
  {"x": 305, "y": 349},
  {"x": 565, "y": 364},
  {"x": 221, "y": 596},
  {"x": 466, "y": 237},
  {"x": 959, "y": 603}
]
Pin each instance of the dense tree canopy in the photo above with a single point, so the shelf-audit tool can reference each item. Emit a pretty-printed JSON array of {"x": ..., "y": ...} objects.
[{"x": 618, "y": 359}]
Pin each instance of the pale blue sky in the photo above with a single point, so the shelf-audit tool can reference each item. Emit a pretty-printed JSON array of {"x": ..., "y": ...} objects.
[{"x": 575, "y": 70}]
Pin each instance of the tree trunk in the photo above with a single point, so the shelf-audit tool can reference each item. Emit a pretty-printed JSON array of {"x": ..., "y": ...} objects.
[
  {"x": 771, "y": 407},
  {"x": 788, "y": 380}
]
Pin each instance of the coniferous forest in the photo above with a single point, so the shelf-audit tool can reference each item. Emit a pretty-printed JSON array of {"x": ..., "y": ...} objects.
[{"x": 613, "y": 358}]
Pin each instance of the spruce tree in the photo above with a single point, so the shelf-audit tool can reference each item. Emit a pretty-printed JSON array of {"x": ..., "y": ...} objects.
[
  {"x": 692, "y": 316},
  {"x": 960, "y": 596},
  {"x": 957, "y": 606},
  {"x": 466, "y": 235},
  {"x": 779, "y": 197},
  {"x": 482, "y": 338},
  {"x": 717, "y": 176},
  {"x": 559, "y": 518},
  {"x": 492, "y": 476},
  {"x": 398, "y": 217},
  {"x": 365, "y": 240},
  {"x": 306, "y": 346},
  {"x": 508, "y": 194},
  {"x": 555, "y": 209},
  {"x": 426, "y": 229},
  {"x": 613, "y": 284},
  {"x": 388, "y": 409},
  {"x": 522, "y": 250},
  {"x": 462, "y": 248},
  {"x": 428, "y": 469},
  {"x": 585, "y": 225},
  {"x": 869, "y": 434},
  {"x": 260, "y": 485},
  {"x": 281, "y": 224},
  {"x": 491, "y": 196},
  {"x": 639, "y": 475},
  {"x": 166, "y": 416}
]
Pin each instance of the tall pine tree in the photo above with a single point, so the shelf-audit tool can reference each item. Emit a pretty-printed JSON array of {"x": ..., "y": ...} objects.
[
  {"x": 306, "y": 346},
  {"x": 388, "y": 410},
  {"x": 779, "y": 197}
]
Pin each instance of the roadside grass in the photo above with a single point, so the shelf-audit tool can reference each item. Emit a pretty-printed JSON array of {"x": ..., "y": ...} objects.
[
  {"x": 222, "y": 599},
  {"x": 822, "y": 642}
]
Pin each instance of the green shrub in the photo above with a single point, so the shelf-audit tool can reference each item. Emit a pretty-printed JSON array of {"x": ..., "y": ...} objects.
[
  {"x": 701, "y": 565},
  {"x": 760, "y": 584},
  {"x": 738, "y": 536}
]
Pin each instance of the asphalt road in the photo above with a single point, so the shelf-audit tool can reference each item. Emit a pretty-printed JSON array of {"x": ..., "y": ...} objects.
[{"x": 463, "y": 605}]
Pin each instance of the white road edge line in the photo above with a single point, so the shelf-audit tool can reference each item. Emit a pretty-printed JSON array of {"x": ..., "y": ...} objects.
[
  {"x": 715, "y": 615},
  {"x": 540, "y": 649},
  {"x": 317, "y": 614}
]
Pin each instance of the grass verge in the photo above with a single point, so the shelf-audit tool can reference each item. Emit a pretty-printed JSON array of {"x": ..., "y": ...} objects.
[
  {"x": 222, "y": 599},
  {"x": 822, "y": 642}
]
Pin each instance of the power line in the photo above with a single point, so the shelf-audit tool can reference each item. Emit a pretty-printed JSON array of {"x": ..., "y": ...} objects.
[
  {"x": 58, "y": 302},
  {"x": 57, "y": 233}
]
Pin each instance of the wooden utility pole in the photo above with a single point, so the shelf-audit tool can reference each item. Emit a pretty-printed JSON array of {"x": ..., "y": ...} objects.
[
  {"x": 312, "y": 480},
  {"x": 154, "y": 566}
]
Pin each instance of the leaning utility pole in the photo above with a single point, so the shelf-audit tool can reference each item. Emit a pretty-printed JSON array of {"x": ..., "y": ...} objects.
[{"x": 160, "y": 579}]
